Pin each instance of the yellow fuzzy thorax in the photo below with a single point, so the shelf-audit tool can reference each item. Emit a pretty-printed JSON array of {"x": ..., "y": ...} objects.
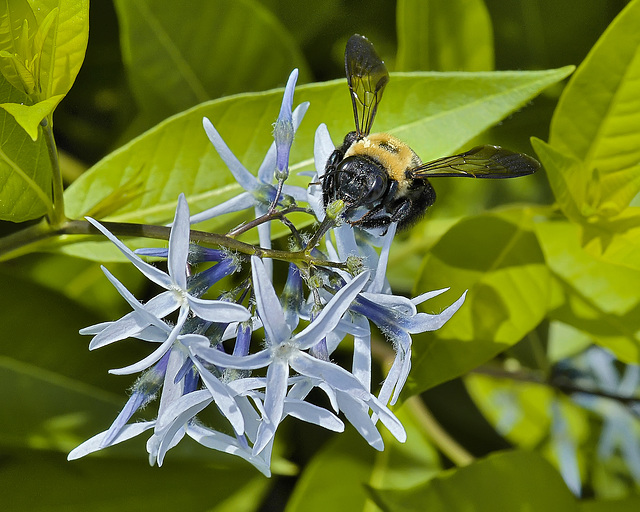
[{"x": 393, "y": 154}]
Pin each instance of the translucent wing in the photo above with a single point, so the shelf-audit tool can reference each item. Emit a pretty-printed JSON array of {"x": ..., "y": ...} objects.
[
  {"x": 366, "y": 76},
  {"x": 479, "y": 162}
]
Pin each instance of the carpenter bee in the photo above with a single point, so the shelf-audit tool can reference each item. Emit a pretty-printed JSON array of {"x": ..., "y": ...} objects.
[{"x": 380, "y": 178}]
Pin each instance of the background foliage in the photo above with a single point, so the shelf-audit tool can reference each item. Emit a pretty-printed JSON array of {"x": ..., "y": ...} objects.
[{"x": 551, "y": 261}]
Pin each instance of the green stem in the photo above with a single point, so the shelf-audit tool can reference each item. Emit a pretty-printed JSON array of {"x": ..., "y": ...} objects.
[
  {"x": 57, "y": 217},
  {"x": 423, "y": 416},
  {"x": 80, "y": 227},
  {"x": 445, "y": 443},
  {"x": 24, "y": 241}
]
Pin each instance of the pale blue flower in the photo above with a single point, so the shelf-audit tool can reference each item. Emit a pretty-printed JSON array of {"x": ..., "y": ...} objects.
[
  {"x": 177, "y": 294},
  {"x": 286, "y": 350},
  {"x": 259, "y": 191},
  {"x": 284, "y": 130},
  {"x": 621, "y": 429},
  {"x": 397, "y": 318},
  {"x": 565, "y": 449}
]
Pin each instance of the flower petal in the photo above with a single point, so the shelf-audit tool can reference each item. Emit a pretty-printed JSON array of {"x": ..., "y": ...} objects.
[
  {"x": 246, "y": 180},
  {"x": 222, "y": 397},
  {"x": 238, "y": 203},
  {"x": 268, "y": 305},
  {"x": 423, "y": 322},
  {"x": 227, "y": 444},
  {"x": 323, "y": 146},
  {"x": 313, "y": 414},
  {"x": 95, "y": 443},
  {"x": 219, "y": 311},
  {"x": 331, "y": 314},
  {"x": 151, "y": 272},
  {"x": 378, "y": 283},
  {"x": 334, "y": 375},
  {"x": 200, "y": 346},
  {"x": 179, "y": 244},
  {"x": 157, "y": 353},
  {"x": 277, "y": 375}
]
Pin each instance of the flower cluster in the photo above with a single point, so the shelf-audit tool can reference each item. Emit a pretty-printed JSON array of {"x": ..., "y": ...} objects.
[
  {"x": 254, "y": 354},
  {"x": 609, "y": 395}
]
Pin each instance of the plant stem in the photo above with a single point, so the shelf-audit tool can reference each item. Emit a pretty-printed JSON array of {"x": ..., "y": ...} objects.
[
  {"x": 57, "y": 217},
  {"x": 423, "y": 416},
  {"x": 80, "y": 227},
  {"x": 445, "y": 443},
  {"x": 23, "y": 241}
]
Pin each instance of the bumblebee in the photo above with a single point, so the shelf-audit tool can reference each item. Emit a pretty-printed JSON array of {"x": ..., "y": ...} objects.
[{"x": 379, "y": 177}]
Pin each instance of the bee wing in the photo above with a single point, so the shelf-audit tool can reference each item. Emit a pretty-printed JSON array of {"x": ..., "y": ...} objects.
[
  {"x": 479, "y": 162},
  {"x": 366, "y": 76}
]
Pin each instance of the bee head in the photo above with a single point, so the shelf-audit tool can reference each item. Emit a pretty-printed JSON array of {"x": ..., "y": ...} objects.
[{"x": 357, "y": 180}]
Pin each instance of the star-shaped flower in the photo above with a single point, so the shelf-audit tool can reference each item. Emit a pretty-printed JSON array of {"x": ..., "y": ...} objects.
[{"x": 177, "y": 294}]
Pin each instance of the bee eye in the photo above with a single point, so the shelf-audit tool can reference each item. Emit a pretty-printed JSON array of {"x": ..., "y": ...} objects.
[{"x": 361, "y": 180}]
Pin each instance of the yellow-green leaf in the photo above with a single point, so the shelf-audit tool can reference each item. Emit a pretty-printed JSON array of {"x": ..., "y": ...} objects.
[{"x": 29, "y": 117}]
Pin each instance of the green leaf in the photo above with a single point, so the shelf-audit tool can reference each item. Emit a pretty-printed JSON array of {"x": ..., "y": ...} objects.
[
  {"x": 30, "y": 116},
  {"x": 497, "y": 258},
  {"x": 176, "y": 156},
  {"x": 17, "y": 57},
  {"x": 569, "y": 179},
  {"x": 565, "y": 341},
  {"x": 519, "y": 411},
  {"x": 629, "y": 504},
  {"x": 37, "y": 481},
  {"x": 615, "y": 240},
  {"x": 601, "y": 298},
  {"x": 63, "y": 43},
  {"x": 25, "y": 168},
  {"x": 514, "y": 481},
  {"x": 597, "y": 119},
  {"x": 444, "y": 35},
  {"x": 616, "y": 288},
  {"x": 176, "y": 60},
  {"x": 336, "y": 477}
]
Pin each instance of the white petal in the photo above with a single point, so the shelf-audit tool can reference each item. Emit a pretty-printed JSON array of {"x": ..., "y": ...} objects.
[
  {"x": 246, "y": 180},
  {"x": 346, "y": 241},
  {"x": 314, "y": 198},
  {"x": 264, "y": 237},
  {"x": 94, "y": 444},
  {"x": 140, "y": 310},
  {"x": 298, "y": 114},
  {"x": 218, "y": 310},
  {"x": 179, "y": 244},
  {"x": 332, "y": 374},
  {"x": 200, "y": 346},
  {"x": 423, "y": 322},
  {"x": 313, "y": 414},
  {"x": 151, "y": 272},
  {"x": 298, "y": 193},
  {"x": 157, "y": 353},
  {"x": 428, "y": 295},
  {"x": 268, "y": 305},
  {"x": 361, "y": 366},
  {"x": 379, "y": 280},
  {"x": 227, "y": 444},
  {"x": 322, "y": 148},
  {"x": 268, "y": 166},
  {"x": 277, "y": 375},
  {"x": 389, "y": 420},
  {"x": 222, "y": 398},
  {"x": 358, "y": 415},
  {"x": 235, "y": 204},
  {"x": 330, "y": 315},
  {"x": 172, "y": 388}
]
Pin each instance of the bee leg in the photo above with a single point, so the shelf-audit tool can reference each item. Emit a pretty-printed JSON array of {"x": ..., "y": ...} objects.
[{"x": 374, "y": 218}]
